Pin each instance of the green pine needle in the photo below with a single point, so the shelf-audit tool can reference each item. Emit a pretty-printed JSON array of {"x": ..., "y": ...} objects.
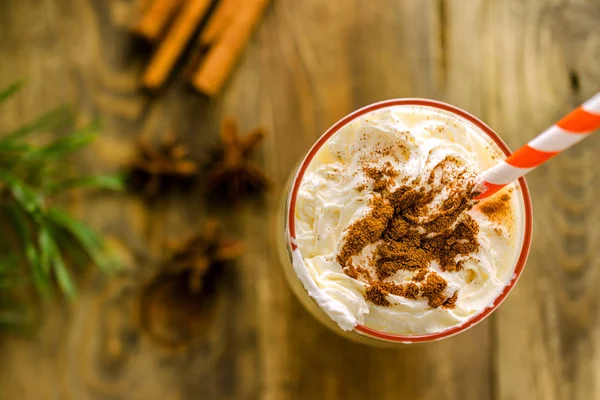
[
  {"x": 22, "y": 227},
  {"x": 25, "y": 196},
  {"x": 110, "y": 182},
  {"x": 10, "y": 90},
  {"x": 87, "y": 239},
  {"x": 44, "y": 242},
  {"x": 65, "y": 145},
  {"x": 63, "y": 277},
  {"x": 48, "y": 243},
  {"x": 47, "y": 122}
]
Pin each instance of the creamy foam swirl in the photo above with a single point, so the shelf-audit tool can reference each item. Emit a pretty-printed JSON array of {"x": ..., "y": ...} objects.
[{"x": 335, "y": 192}]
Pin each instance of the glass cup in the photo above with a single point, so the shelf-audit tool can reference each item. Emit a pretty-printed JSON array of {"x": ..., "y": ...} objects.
[{"x": 288, "y": 249}]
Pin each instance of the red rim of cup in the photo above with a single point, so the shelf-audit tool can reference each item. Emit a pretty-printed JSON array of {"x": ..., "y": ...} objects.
[{"x": 524, "y": 191}]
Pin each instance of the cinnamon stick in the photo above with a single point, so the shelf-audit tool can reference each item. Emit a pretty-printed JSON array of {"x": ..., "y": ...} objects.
[
  {"x": 138, "y": 10},
  {"x": 174, "y": 43},
  {"x": 143, "y": 5},
  {"x": 221, "y": 58},
  {"x": 156, "y": 18},
  {"x": 219, "y": 21}
]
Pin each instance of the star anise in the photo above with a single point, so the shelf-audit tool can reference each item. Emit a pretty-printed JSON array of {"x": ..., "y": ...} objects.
[
  {"x": 231, "y": 173},
  {"x": 203, "y": 251},
  {"x": 156, "y": 167},
  {"x": 177, "y": 304}
]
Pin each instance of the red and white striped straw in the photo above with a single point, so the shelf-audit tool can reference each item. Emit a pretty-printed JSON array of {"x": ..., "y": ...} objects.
[{"x": 560, "y": 136}]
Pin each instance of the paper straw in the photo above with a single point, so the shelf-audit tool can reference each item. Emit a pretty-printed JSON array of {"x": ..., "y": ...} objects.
[{"x": 565, "y": 133}]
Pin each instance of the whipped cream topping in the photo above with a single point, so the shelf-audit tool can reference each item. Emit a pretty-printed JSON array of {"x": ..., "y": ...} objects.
[{"x": 336, "y": 191}]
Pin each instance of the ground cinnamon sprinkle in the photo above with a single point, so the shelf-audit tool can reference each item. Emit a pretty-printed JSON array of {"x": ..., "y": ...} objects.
[
  {"x": 433, "y": 288},
  {"x": 439, "y": 170},
  {"x": 394, "y": 256},
  {"x": 382, "y": 177},
  {"x": 406, "y": 197},
  {"x": 411, "y": 236},
  {"x": 496, "y": 209},
  {"x": 359, "y": 273},
  {"x": 375, "y": 295},
  {"x": 409, "y": 290},
  {"x": 420, "y": 276},
  {"x": 405, "y": 151},
  {"x": 378, "y": 290},
  {"x": 446, "y": 246},
  {"x": 366, "y": 230},
  {"x": 451, "y": 302}
]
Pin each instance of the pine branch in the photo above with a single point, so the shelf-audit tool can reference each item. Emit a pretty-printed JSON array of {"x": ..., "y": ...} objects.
[{"x": 47, "y": 240}]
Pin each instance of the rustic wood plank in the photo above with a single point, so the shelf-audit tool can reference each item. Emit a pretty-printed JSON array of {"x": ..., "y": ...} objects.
[
  {"x": 543, "y": 64},
  {"x": 78, "y": 52},
  {"x": 321, "y": 60},
  {"x": 517, "y": 65}
]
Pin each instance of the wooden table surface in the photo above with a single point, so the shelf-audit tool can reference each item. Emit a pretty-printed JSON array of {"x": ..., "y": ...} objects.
[{"x": 517, "y": 64}]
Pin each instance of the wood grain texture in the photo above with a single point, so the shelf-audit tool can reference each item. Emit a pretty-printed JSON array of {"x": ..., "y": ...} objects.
[
  {"x": 519, "y": 65},
  {"x": 545, "y": 64}
]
